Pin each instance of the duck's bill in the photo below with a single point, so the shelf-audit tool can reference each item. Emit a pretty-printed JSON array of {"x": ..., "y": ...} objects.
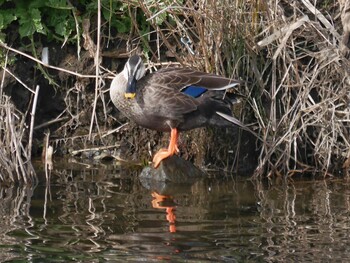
[
  {"x": 129, "y": 95},
  {"x": 130, "y": 91}
]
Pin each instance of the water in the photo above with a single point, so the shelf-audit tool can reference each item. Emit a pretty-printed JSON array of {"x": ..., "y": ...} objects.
[{"x": 98, "y": 213}]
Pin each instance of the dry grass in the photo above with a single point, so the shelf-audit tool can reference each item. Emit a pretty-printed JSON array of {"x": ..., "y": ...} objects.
[
  {"x": 288, "y": 54},
  {"x": 14, "y": 156}
]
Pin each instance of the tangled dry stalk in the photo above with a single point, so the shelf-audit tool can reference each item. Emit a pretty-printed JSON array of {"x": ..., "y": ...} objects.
[
  {"x": 288, "y": 53},
  {"x": 15, "y": 159}
]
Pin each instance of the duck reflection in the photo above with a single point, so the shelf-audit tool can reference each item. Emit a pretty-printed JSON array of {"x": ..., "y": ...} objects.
[
  {"x": 167, "y": 203},
  {"x": 175, "y": 175}
]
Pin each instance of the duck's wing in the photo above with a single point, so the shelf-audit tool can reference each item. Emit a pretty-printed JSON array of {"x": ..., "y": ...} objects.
[
  {"x": 180, "y": 78},
  {"x": 160, "y": 95},
  {"x": 166, "y": 102},
  {"x": 167, "y": 93}
]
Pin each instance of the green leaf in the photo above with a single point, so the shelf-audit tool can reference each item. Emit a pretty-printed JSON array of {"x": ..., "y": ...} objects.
[
  {"x": 62, "y": 22},
  {"x": 25, "y": 5},
  {"x": 30, "y": 22},
  {"x": 59, "y": 4},
  {"x": 36, "y": 17},
  {"x": 6, "y": 17},
  {"x": 64, "y": 28},
  {"x": 26, "y": 30},
  {"x": 123, "y": 25}
]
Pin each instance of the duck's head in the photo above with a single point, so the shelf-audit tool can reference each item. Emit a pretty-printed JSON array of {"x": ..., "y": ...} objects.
[{"x": 134, "y": 70}]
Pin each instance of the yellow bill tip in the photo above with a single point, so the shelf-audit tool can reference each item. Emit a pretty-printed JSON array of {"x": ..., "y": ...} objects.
[{"x": 129, "y": 95}]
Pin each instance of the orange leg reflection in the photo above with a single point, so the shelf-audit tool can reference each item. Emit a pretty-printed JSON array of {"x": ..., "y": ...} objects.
[{"x": 170, "y": 216}]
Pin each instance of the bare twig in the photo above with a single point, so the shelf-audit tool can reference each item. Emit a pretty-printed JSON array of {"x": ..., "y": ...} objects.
[
  {"x": 97, "y": 68},
  {"x": 50, "y": 122},
  {"x": 36, "y": 95},
  {"x": 45, "y": 65},
  {"x": 93, "y": 149},
  {"x": 20, "y": 81}
]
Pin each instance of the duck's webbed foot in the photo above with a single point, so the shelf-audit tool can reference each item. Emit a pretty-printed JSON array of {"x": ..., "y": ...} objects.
[{"x": 165, "y": 153}]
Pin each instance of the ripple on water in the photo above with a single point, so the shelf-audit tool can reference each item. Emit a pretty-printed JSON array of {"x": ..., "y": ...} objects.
[{"x": 97, "y": 216}]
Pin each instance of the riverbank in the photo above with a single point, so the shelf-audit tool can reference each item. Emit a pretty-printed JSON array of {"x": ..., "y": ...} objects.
[{"x": 292, "y": 59}]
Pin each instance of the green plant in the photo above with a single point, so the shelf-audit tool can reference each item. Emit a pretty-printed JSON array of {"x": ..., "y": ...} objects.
[
  {"x": 51, "y": 18},
  {"x": 58, "y": 19}
]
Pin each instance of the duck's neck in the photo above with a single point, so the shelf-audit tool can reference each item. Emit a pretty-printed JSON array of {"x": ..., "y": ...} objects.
[{"x": 118, "y": 87}]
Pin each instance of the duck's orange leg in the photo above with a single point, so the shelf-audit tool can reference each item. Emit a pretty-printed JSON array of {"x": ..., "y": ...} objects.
[{"x": 165, "y": 153}]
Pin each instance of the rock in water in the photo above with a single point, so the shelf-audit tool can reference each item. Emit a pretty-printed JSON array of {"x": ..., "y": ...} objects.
[{"x": 172, "y": 176}]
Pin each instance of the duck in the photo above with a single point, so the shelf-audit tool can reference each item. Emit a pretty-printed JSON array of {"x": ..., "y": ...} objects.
[{"x": 173, "y": 100}]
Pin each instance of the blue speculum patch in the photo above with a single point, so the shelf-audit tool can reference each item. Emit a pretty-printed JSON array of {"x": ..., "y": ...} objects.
[{"x": 194, "y": 91}]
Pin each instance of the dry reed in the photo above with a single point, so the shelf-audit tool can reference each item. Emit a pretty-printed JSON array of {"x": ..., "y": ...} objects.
[
  {"x": 15, "y": 160},
  {"x": 287, "y": 52},
  {"x": 15, "y": 157}
]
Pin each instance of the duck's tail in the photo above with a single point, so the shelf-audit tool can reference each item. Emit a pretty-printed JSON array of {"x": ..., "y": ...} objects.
[{"x": 236, "y": 122}]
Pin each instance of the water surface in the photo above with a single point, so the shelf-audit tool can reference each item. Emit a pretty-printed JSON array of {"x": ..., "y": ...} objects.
[{"x": 98, "y": 213}]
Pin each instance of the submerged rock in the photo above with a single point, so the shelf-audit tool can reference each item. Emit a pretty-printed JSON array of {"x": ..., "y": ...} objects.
[
  {"x": 173, "y": 169},
  {"x": 173, "y": 172}
]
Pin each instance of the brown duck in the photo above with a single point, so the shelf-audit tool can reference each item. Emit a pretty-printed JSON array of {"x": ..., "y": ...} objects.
[{"x": 172, "y": 100}]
